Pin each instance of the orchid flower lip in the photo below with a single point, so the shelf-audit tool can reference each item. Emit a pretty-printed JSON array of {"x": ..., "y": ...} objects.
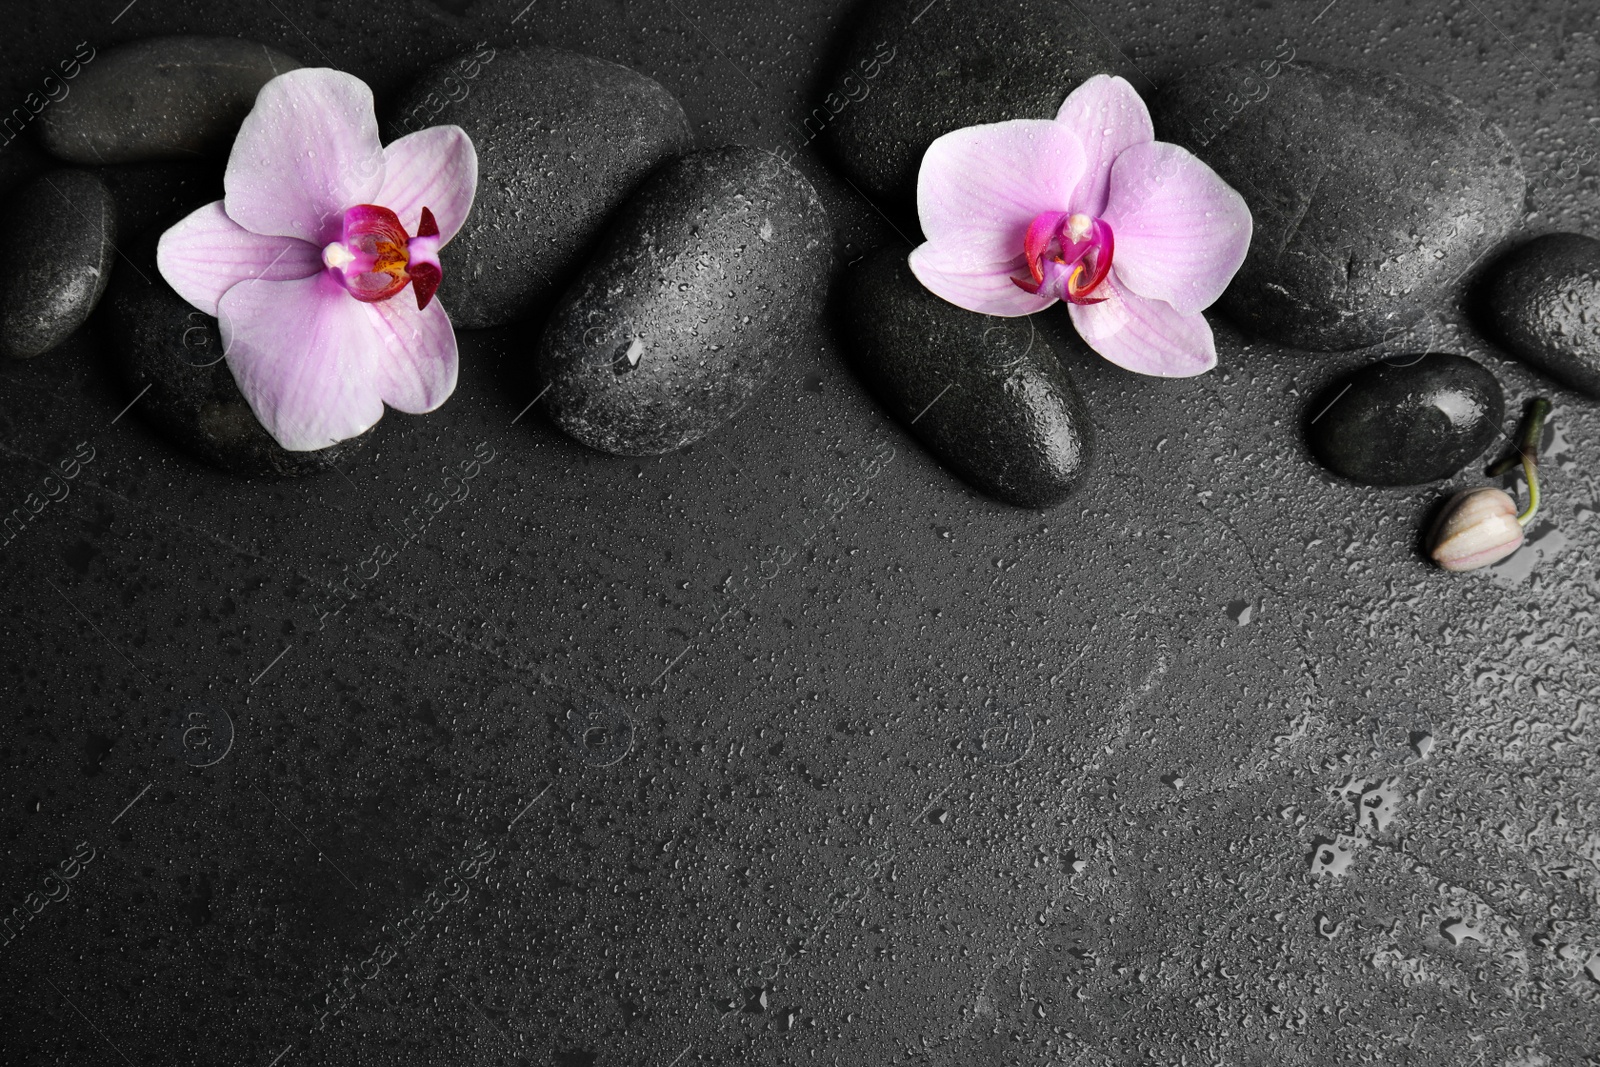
[
  {"x": 374, "y": 258},
  {"x": 1068, "y": 256}
]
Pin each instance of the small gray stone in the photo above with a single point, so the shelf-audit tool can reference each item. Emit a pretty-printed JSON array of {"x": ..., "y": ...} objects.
[
  {"x": 161, "y": 98},
  {"x": 911, "y": 72},
  {"x": 562, "y": 139},
  {"x": 61, "y": 230},
  {"x": 986, "y": 395},
  {"x": 1543, "y": 301},
  {"x": 690, "y": 301},
  {"x": 163, "y": 343},
  {"x": 1411, "y": 420},
  {"x": 1372, "y": 195}
]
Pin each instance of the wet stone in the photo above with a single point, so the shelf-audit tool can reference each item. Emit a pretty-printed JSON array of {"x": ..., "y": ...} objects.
[
  {"x": 160, "y": 98},
  {"x": 987, "y": 396},
  {"x": 691, "y": 300},
  {"x": 61, "y": 232},
  {"x": 562, "y": 140},
  {"x": 171, "y": 358},
  {"x": 910, "y": 73},
  {"x": 1373, "y": 196},
  {"x": 1412, "y": 420},
  {"x": 1543, "y": 302}
]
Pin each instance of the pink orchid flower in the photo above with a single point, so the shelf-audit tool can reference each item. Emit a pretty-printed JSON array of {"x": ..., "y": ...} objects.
[
  {"x": 305, "y": 260},
  {"x": 1136, "y": 235}
]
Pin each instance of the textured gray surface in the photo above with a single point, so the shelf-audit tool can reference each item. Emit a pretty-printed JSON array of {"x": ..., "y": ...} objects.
[{"x": 955, "y": 783}]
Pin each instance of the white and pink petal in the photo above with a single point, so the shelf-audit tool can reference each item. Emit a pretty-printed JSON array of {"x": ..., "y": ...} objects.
[
  {"x": 1181, "y": 231},
  {"x": 989, "y": 290},
  {"x": 437, "y": 169},
  {"x": 207, "y": 253},
  {"x": 306, "y": 356},
  {"x": 416, "y": 371},
  {"x": 1108, "y": 116},
  {"x": 1143, "y": 335},
  {"x": 307, "y": 151},
  {"x": 980, "y": 187}
]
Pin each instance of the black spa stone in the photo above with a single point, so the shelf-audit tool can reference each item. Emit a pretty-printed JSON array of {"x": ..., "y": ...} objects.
[
  {"x": 159, "y": 98},
  {"x": 61, "y": 231},
  {"x": 689, "y": 303},
  {"x": 911, "y": 71},
  {"x": 562, "y": 139},
  {"x": 1406, "y": 421},
  {"x": 988, "y": 396},
  {"x": 1373, "y": 195},
  {"x": 1543, "y": 302}
]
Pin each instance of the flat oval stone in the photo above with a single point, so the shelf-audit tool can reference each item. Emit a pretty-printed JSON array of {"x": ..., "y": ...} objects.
[
  {"x": 1406, "y": 423},
  {"x": 160, "y": 98},
  {"x": 171, "y": 357},
  {"x": 692, "y": 298},
  {"x": 1373, "y": 196},
  {"x": 61, "y": 233},
  {"x": 562, "y": 140},
  {"x": 1543, "y": 302},
  {"x": 988, "y": 396},
  {"x": 911, "y": 72}
]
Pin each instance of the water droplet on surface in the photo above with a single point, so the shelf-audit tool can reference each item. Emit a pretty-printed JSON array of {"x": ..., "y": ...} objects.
[
  {"x": 1458, "y": 931},
  {"x": 1332, "y": 858}
]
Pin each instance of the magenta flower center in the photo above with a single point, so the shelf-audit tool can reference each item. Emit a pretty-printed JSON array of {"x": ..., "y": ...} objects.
[
  {"x": 1068, "y": 257},
  {"x": 374, "y": 257}
]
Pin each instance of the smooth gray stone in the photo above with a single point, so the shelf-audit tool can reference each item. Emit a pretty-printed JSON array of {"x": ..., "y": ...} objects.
[
  {"x": 562, "y": 139},
  {"x": 988, "y": 396},
  {"x": 1543, "y": 302},
  {"x": 1407, "y": 421},
  {"x": 1373, "y": 196},
  {"x": 161, "y": 98},
  {"x": 691, "y": 300},
  {"x": 61, "y": 229}
]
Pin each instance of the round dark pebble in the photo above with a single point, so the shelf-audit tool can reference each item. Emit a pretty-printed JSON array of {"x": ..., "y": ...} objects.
[
  {"x": 1373, "y": 196},
  {"x": 562, "y": 139},
  {"x": 160, "y": 98},
  {"x": 1543, "y": 302},
  {"x": 171, "y": 357},
  {"x": 911, "y": 71},
  {"x": 693, "y": 296},
  {"x": 1411, "y": 420},
  {"x": 61, "y": 233},
  {"x": 987, "y": 396}
]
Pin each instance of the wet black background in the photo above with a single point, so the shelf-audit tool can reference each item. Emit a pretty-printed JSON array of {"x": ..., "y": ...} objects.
[{"x": 789, "y": 748}]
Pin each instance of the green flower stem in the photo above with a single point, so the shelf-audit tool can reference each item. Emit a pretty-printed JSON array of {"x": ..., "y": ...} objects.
[{"x": 1528, "y": 452}]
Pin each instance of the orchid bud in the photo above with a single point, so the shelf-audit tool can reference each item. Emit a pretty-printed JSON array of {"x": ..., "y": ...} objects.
[
  {"x": 1478, "y": 527},
  {"x": 1482, "y": 526}
]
